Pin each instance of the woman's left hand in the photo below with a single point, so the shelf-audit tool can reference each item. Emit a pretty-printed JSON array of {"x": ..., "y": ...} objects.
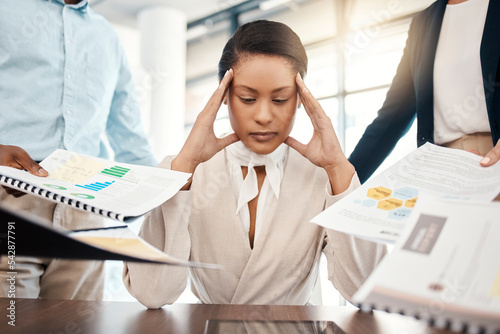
[
  {"x": 323, "y": 149},
  {"x": 492, "y": 156}
]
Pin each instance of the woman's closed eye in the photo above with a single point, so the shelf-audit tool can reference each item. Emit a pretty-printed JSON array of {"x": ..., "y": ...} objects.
[
  {"x": 246, "y": 99},
  {"x": 252, "y": 100}
]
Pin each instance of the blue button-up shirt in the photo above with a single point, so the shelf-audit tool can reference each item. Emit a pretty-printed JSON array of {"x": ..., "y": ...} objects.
[{"x": 65, "y": 83}]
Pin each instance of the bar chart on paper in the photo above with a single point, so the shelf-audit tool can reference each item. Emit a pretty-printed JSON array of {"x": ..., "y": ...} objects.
[
  {"x": 115, "y": 171},
  {"x": 116, "y": 190},
  {"x": 96, "y": 186}
]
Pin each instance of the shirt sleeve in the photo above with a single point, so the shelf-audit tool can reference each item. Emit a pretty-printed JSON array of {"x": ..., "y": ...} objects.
[
  {"x": 350, "y": 260},
  {"x": 331, "y": 198},
  {"x": 166, "y": 228},
  {"x": 393, "y": 120},
  {"x": 124, "y": 126}
]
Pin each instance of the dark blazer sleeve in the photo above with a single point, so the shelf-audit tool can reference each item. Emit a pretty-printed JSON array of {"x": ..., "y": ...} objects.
[
  {"x": 490, "y": 65},
  {"x": 394, "y": 118}
]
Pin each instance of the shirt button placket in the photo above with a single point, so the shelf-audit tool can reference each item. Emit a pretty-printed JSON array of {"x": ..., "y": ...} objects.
[{"x": 68, "y": 82}]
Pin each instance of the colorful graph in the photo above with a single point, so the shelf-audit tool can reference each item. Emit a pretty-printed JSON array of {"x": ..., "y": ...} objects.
[
  {"x": 115, "y": 171},
  {"x": 398, "y": 203},
  {"x": 96, "y": 186}
]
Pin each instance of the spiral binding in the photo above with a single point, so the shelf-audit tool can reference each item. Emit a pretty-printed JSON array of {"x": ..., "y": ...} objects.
[
  {"x": 24, "y": 186},
  {"x": 435, "y": 322}
]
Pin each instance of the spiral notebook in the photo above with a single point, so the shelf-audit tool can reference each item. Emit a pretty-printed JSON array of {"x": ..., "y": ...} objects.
[
  {"x": 445, "y": 269},
  {"x": 115, "y": 190}
]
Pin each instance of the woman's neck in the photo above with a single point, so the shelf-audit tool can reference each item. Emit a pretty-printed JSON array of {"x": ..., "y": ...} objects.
[{"x": 455, "y": 2}]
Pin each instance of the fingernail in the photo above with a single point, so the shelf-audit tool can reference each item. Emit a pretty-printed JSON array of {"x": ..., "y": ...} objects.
[
  {"x": 42, "y": 171},
  {"x": 485, "y": 160},
  {"x": 225, "y": 75}
]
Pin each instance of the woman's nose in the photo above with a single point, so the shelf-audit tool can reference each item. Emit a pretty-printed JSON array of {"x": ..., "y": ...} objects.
[{"x": 264, "y": 113}]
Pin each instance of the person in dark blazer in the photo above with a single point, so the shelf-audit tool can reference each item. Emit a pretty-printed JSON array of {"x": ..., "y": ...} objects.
[{"x": 414, "y": 93}]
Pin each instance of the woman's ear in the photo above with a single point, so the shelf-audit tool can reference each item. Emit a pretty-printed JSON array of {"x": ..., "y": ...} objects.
[{"x": 225, "y": 99}]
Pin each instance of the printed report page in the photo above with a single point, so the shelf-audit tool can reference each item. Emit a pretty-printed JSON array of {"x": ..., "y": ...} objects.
[{"x": 379, "y": 210}]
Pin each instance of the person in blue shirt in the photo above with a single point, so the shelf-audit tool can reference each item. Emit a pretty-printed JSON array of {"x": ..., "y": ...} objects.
[{"x": 64, "y": 83}]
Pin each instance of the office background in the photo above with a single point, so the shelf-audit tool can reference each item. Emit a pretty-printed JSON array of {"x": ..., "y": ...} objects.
[{"x": 173, "y": 47}]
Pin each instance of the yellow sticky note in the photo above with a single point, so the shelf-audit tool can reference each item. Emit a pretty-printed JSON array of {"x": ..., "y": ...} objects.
[{"x": 77, "y": 170}]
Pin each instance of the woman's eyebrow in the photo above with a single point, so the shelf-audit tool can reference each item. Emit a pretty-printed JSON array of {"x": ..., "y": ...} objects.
[
  {"x": 246, "y": 88},
  {"x": 253, "y": 90},
  {"x": 282, "y": 88}
]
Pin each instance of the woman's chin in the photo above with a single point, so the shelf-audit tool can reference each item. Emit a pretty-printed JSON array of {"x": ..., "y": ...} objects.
[{"x": 263, "y": 148}]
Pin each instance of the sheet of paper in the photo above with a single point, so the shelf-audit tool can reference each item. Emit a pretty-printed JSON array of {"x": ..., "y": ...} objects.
[
  {"x": 380, "y": 208},
  {"x": 129, "y": 190},
  {"x": 124, "y": 241},
  {"x": 446, "y": 264},
  {"x": 74, "y": 169}
]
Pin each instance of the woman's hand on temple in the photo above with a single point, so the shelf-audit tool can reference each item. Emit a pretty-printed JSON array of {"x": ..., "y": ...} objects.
[
  {"x": 202, "y": 144},
  {"x": 323, "y": 149}
]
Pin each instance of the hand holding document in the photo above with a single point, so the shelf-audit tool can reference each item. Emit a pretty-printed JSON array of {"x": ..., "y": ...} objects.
[
  {"x": 445, "y": 268},
  {"x": 379, "y": 210},
  {"x": 115, "y": 190}
]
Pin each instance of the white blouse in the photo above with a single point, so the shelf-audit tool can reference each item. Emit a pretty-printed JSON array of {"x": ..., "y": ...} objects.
[
  {"x": 247, "y": 189},
  {"x": 459, "y": 97}
]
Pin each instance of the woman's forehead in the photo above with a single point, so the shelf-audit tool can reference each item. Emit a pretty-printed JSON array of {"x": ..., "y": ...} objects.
[
  {"x": 263, "y": 71},
  {"x": 255, "y": 61}
]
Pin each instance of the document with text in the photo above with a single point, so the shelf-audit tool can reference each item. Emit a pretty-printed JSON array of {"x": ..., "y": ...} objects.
[
  {"x": 380, "y": 208},
  {"x": 124, "y": 242},
  {"x": 445, "y": 268},
  {"x": 31, "y": 235},
  {"x": 112, "y": 189}
]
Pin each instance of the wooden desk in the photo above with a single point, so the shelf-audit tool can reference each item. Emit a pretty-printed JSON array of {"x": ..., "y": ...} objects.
[{"x": 78, "y": 317}]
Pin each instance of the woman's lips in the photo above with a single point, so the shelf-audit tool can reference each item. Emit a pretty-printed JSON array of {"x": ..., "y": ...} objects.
[{"x": 263, "y": 136}]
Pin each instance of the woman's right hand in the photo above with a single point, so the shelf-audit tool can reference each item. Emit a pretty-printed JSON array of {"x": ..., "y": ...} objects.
[{"x": 202, "y": 144}]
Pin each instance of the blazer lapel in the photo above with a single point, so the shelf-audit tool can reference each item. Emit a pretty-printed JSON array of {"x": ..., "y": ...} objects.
[
  {"x": 424, "y": 84},
  {"x": 244, "y": 292},
  {"x": 490, "y": 51},
  {"x": 247, "y": 282}
]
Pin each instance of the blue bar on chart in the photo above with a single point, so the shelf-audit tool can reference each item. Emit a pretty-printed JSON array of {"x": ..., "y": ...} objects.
[{"x": 96, "y": 186}]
